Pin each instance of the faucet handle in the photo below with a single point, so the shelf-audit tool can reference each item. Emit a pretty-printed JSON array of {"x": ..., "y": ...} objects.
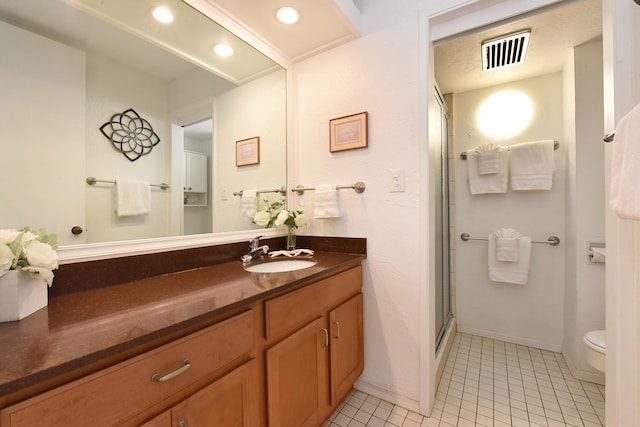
[{"x": 255, "y": 242}]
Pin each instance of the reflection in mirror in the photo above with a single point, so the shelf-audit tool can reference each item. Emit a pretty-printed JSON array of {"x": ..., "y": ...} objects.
[{"x": 69, "y": 66}]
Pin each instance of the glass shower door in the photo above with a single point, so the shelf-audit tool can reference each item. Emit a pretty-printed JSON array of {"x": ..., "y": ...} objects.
[{"x": 441, "y": 176}]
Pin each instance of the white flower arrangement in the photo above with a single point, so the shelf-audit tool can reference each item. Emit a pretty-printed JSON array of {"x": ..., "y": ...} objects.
[
  {"x": 276, "y": 214},
  {"x": 32, "y": 251}
]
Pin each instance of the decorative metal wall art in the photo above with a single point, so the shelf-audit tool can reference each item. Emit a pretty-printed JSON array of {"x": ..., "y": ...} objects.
[{"x": 130, "y": 134}]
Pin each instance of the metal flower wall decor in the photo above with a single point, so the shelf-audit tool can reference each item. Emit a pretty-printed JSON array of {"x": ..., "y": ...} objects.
[{"x": 130, "y": 134}]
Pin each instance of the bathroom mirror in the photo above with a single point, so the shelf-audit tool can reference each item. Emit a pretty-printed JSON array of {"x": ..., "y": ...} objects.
[{"x": 69, "y": 66}]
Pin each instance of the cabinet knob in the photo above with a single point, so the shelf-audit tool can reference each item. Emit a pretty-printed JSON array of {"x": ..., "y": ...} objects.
[
  {"x": 76, "y": 229},
  {"x": 182, "y": 424}
]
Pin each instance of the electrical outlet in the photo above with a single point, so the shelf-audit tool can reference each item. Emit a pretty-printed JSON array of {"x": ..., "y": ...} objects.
[{"x": 396, "y": 178}]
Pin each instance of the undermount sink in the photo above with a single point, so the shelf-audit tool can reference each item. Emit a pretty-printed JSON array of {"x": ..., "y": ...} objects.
[{"x": 280, "y": 266}]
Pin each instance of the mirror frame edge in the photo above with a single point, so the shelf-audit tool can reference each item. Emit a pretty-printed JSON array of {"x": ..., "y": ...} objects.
[{"x": 95, "y": 251}]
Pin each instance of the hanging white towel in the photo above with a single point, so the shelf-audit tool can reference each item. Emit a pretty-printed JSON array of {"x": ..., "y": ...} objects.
[
  {"x": 532, "y": 165},
  {"x": 325, "y": 203},
  {"x": 507, "y": 244},
  {"x": 249, "y": 202},
  {"x": 489, "y": 183},
  {"x": 487, "y": 158},
  {"x": 132, "y": 197},
  {"x": 506, "y": 271},
  {"x": 625, "y": 167}
]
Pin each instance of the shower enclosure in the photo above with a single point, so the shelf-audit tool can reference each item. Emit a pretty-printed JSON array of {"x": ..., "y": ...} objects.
[{"x": 441, "y": 176}]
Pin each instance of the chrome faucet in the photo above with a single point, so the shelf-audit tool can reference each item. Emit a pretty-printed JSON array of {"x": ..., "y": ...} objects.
[{"x": 255, "y": 250}]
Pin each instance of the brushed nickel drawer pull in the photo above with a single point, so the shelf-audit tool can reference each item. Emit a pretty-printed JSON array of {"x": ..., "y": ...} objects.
[
  {"x": 157, "y": 378},
  {"x": 182, "y": 424},
  {"x": 337, "y": 335},
  {"x": 326, "y": 337}
]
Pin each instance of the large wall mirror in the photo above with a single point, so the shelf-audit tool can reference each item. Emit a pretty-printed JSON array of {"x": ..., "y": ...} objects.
[{"x": 68, "y": 66}]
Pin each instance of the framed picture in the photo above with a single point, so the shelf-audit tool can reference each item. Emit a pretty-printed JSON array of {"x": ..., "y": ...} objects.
[
  {"x": 348, "y": 132},
  {"x": 248, "y": 151}
]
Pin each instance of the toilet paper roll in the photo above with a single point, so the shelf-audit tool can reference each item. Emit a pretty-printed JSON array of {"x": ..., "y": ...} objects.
[{"x": 598, "y": 255}]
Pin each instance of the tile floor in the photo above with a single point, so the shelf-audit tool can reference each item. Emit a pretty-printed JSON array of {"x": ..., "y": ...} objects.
[{"x": 489, "y": 383}]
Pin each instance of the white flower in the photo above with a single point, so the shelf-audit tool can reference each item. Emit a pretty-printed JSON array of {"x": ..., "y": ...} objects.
[
  {"x": 282, "y": 217},
  {"x": 8, "y": 236},
  {"x": 40, "y": 255},
  {"x": 262, "y": 218},
  {"x": 7, "y": 257},
  {"x": 300, "y": 220},
  {"x": 40, "y": 272}
]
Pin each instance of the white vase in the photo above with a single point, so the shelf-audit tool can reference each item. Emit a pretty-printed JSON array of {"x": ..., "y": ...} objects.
[{"x": 21, "y": 295}]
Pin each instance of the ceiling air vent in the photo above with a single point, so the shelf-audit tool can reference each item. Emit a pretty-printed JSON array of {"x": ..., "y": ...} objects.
[{"x": 505, "y": 51}]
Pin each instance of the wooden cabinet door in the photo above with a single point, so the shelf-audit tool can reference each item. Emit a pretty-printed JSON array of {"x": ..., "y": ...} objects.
[
  {"x": 231, "y": 401},
  {"x": 195, "y": 172},
  {"x": 297, "y": 389},
  {"x": 347, "y": 347}
]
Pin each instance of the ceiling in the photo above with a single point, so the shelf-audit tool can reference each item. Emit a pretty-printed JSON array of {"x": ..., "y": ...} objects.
[
  {"x": 458, "y": 63},
  {"x": 323, "y": 24}
]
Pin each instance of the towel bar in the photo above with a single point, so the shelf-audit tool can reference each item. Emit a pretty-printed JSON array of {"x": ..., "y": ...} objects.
[
  {"x": 552, "y": 240},
  {"x": 463, "y": 155},
  {"x": 359, "y": 188},
  {"x": 282, "y": 190},
  {"x": 92, "y": 181}
]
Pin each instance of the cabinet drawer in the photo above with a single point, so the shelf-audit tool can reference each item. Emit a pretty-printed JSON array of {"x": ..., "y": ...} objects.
[
  {"x": 289, "y": 312},
  {"x": 110, "y": 396}
]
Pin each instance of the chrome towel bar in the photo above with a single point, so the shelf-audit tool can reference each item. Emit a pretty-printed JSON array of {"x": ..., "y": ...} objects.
[
  {"x": 282, "y": 190},
  {"x": 359, "y": 188},
  {"x": 552, "y": 240},
  {"x": 92, "y": 181},
  {"x": 463, "y": 155}
]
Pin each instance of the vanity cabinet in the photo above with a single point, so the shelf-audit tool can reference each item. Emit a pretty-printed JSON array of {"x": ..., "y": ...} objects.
[
  {"x": 230, "y": 401},
  {"x": 124, "y": 393},
  {"x": 317, "y": 351}
]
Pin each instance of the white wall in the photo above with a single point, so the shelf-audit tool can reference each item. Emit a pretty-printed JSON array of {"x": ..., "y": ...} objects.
[
  {"x": 585, "y": 289},
  {"x": 377, "y": 73},
  {"x": 254, "y": 109},
  {"x": 530, "y": 314},
  {"x": 113, "y": 88}
]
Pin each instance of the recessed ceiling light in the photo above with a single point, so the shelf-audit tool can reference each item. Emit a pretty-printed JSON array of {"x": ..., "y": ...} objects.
[
  {"x": 287, "y": 15},
  {"x": 162, "y": 14},
  {"x": 223, "y": 50}
]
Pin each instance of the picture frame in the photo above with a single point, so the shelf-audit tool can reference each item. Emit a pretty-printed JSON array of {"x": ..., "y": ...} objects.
[
  {"x": 348, "y": 132},
  {"x": 248, "y": 151}
]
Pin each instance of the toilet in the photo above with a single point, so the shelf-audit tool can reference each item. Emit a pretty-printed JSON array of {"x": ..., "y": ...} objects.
[{"x": 595, "y": 342}]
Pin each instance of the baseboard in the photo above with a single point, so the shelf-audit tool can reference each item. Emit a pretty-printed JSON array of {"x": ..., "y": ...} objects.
[
  {"x": 556, "y": 348},
  {"x": 380, "y": 393}
]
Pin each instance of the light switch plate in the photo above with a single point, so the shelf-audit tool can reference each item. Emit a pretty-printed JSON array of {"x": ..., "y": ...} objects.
[{"x": 396, "y": 180}]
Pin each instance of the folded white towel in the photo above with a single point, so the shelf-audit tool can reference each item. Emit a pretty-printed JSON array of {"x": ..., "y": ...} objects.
[
  {"x": 532, "y": 165},
  {"x": 132, "y": 197},
  {"x": 325, "y": 203},
  {"x": 490, "y": 183},
  {"x": 487, "y": 158},
  {"x": 510, "y": 272},
  {"x": 507, "y": 244},
  {"x": 249, "y": 202},
  {"x": 625, "y": 167}
]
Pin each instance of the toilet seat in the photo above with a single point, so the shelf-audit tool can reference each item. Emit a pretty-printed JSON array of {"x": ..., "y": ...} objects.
[{"x": 596, "y": 340}]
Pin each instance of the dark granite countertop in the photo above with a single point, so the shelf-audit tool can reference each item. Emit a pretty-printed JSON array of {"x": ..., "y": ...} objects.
[{"x": 81, "y": 328}]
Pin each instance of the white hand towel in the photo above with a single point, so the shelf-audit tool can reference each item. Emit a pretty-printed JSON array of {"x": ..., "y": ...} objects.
[
  {"x": 487, "y": 158},
  {"x": 249, "y": 202},
  {"x": 532, "y": 165},
  {"x": 625, "y": 167},
  {"x": 491, "y": 183},
  {"x": 132, "y": 197},
  {"x": 507, "y": 244},
  {"x": 325, "y": 203},
  {"x": 510, "y": 272}
]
